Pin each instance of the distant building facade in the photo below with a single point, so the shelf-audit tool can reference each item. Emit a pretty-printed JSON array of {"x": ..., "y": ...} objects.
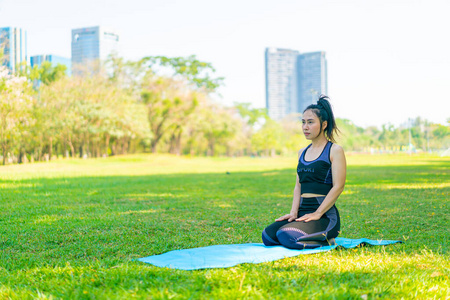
[
  {"x": 293, "y": 80},
  {"x": 312, "y": 78},
  {"x": 93, "y": 43},
  {"x": 37, "y": 60},
  {"x": 281, "y": 81},
  {"x": 13, "y": 42}
]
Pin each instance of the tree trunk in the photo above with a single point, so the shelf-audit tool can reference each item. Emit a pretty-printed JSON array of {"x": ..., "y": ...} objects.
[
  {"x": 40, "y": 149},
  {"x": 4, "y": 153},
  {"x": 211, "y": 147},
  {"x": 50, "y": 148},
  {"x": 97, "y": 149},
  {"x": 172, "y": 144},
  {"x": 129, "y": 146},
  {"x": 97, "y": 146},
  {"x": 88, "y": 147},
  {"x": 3, "y": 144},
  {"x": 125, "y": 146},
  {"x": 113, "y": 148},
  {"x": 158, "y": 131},
  {"x": 64, "y": 146},
  {"x": 154, "y": 143},
  {"x": 21, "y": 154},
  {"x": 178, "y": 143},
  {"x": 72, "y": 148},
  {"x": 107, "y": 144},
  {"x": 153, "y": 147}
]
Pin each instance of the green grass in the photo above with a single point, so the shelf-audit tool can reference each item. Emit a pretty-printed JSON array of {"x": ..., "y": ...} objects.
[{"x": 71, "y": 229}]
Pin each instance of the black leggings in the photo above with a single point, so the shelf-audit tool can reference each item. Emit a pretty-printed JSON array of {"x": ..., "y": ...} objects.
[{"x": 304, "y": 235}]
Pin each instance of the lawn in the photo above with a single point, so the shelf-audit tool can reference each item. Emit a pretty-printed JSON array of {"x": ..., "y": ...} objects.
[{"x": 72, "y": 228}]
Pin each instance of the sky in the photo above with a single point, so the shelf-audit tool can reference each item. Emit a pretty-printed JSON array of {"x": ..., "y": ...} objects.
[{"x": 388, "y": 60}]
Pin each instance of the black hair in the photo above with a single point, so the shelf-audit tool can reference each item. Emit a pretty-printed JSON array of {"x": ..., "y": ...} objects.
[{"x": 324, "y": 112}]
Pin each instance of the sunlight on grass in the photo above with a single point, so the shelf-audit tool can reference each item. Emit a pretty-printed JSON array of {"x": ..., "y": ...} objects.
[
  {"x": 412, "y": 186},
  {"x": 148, "y": 211},
  {"x": 223, "y": 205},
  {"x": 46, "y": 219}
]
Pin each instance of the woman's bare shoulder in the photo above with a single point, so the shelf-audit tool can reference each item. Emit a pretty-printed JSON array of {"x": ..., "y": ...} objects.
[
  {"x": 336, "y": 151},
  {"x": 301, "y": 151}
]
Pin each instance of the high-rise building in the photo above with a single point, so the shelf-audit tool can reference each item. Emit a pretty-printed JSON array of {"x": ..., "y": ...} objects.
[
  {"x": 37, "y": 60},
  {"x": 281, "y": 82},
  {"x": 93, "y": 43},
  {"x": 293, "y": 80},
  {"x": 13, "y": 42},
  {"x": 312, "y": 78}
]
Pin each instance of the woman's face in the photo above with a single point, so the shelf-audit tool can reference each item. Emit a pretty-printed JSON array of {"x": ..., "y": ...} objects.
[{"x": 311, "y": 125}]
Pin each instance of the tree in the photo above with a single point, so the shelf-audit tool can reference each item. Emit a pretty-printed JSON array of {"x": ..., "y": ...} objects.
[
  {"x": 269, "y": 139},
  {"x": 168, "y": 103},
  {"x": 219, "y": 128},
  {"x": 16, "y": 106},
  {"x": 251, "y": 115},
  {"x": 91, "y": 116},
  {"x": 172, "y": 98},
  {"x": 47, "y": 73},
  {"x": 197, "y": 73}
]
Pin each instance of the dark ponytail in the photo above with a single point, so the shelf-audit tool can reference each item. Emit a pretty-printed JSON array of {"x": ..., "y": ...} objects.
[{"x": 324, "y": 112}]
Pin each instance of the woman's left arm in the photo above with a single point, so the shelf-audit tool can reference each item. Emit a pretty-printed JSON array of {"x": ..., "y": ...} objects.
[{"x": 339, "y": 172}]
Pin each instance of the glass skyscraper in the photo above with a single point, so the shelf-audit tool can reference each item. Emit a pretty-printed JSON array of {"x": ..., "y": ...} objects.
[
  {"x": 293, "y": 80},
  {"x": 13, "y": 42},
  {"x": 93, "y": 43},
  {"x": 281, "y": 82},
  {"x": 312, "y": 78},
  {"x": 37, "y": 60}
]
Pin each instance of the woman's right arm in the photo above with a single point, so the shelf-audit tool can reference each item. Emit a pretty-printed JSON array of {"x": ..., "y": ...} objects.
[{"x": 295, "y": 201}]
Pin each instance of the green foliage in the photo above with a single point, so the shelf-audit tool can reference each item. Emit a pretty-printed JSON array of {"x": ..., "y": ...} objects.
[
  {"x": 46, "y": 73},
  {"x": 441, "y": 131},
  {"x": 422, "y": 135},
  {"x": 169, "y": 105},
  {"x": 92, "y": 115},
  {"x": 16, "y": 118},
  {"x": 357, "y": 138},
  {"x": 73, "y": 229},
  {"x": 269, "y": 138},
  {"x": 196, "y": 72},
  {"x": 251, "y": 115},
  {"x": 219, "y": 127}
]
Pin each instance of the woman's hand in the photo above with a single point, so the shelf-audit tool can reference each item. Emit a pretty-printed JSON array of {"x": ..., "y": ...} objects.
[
  {"x": 290, "y": 217},
  {"x": 310, "y": 217}
]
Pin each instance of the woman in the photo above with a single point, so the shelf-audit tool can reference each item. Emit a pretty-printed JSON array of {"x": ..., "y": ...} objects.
[{"x": 314, "y": 219}]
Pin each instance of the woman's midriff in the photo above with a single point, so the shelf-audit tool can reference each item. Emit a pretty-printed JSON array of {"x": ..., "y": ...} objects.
[{"x": 309, "y": 195}]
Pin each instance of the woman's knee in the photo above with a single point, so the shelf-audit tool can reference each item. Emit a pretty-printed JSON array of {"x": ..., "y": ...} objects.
[
  {"x": 269, "y": 234},
  {"x": 289, "y": 236},
  {"x": 268, "y": 240}
]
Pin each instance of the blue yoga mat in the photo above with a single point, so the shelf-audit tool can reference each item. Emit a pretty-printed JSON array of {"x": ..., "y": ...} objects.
[{"x": 223, "y": 256}]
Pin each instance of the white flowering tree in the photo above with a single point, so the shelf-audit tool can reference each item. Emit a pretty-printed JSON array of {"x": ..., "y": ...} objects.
[{"x": 16, "y": 105}]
